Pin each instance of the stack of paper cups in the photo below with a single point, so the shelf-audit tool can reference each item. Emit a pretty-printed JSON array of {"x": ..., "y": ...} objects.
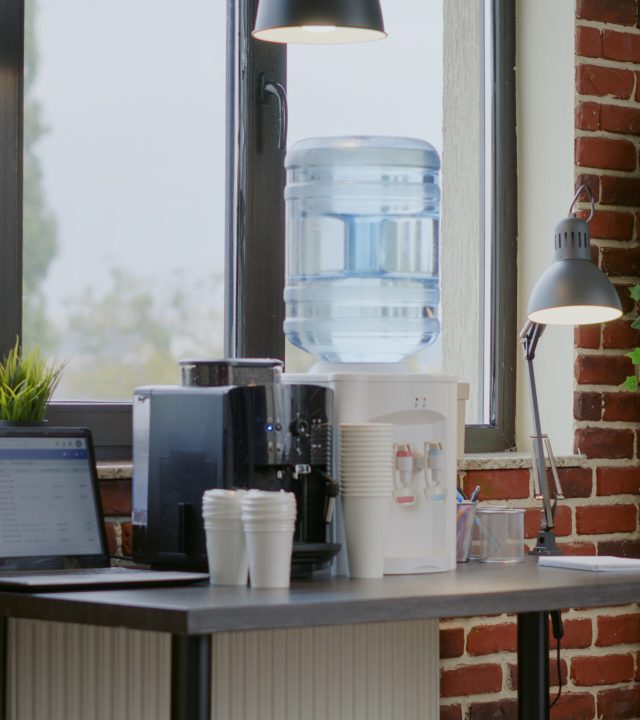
[
  {"x": 226, "y": 547},
  {"x": 366, "y": 483},
  {"x": 269, "y": 520}
]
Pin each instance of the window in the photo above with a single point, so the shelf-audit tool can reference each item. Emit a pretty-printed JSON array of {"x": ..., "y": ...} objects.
[{"x": 180, "y": 138}]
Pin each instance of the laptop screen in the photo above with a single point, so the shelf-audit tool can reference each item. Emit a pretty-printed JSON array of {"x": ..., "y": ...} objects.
[{"x": 50, "y": 512}]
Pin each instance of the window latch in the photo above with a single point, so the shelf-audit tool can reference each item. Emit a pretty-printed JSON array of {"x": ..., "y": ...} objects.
[{"x": 267, "y": 88}]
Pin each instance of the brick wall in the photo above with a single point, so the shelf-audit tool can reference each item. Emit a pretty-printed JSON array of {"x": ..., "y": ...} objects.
[{"x": 601, "y": 648}]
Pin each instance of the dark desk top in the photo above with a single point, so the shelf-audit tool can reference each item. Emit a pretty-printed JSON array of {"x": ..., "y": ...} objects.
[{"x": 471, "y": 589}]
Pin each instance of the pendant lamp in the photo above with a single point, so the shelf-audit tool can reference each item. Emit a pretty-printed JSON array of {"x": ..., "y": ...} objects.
[{"x": 319, "y": 21}]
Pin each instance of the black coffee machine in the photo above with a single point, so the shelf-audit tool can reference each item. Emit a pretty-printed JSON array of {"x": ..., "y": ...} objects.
[{"x": 230, "y": 424}]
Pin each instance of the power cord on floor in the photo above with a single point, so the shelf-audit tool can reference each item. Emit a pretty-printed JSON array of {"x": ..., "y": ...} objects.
[{"x": 558, "y": 634}]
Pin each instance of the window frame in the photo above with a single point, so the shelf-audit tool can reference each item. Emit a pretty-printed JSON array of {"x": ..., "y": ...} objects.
[
  {"x": 255, "y": 263},
  {"x": 500, "y": 433}
]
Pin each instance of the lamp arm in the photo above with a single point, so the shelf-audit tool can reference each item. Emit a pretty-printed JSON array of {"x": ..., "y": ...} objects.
[{"x": 529, "y": 340}]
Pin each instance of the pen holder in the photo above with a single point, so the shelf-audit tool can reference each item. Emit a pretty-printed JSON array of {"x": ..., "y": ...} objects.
[
  {"x": 465, "y": 516},
  {"x": 498, "y": 535}
]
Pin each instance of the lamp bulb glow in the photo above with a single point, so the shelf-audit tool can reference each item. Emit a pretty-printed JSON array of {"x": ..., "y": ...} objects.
[{"x": 319, "y": 28}]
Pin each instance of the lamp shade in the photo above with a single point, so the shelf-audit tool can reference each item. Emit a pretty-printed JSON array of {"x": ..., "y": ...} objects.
[
  {"x": 573, "y": 291},
  {"x": 319, "y": 21}
]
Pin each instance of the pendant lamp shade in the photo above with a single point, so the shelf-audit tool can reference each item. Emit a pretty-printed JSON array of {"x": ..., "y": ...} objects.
[
  {"x": 573, "y": 291},
  {"x": 319, "y": 21}
]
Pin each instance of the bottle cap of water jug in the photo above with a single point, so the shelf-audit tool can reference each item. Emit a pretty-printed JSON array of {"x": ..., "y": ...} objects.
[{"x": 362, "y": 151}]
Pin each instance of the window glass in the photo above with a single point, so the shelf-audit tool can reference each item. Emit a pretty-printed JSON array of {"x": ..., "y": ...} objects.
[{"x": 124, "y": 183}]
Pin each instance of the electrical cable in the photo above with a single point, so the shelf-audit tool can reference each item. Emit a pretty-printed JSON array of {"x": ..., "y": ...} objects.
[{"x": 558, "y": 634}]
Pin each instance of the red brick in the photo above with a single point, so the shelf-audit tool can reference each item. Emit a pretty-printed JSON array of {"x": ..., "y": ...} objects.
[
  {"x": 471, "y": 680},
  {"x": 623, "y": 407},
  {"x": 618, "y": 480},
  {"x": 619, "y": 704},
  {"x": 604, "y": 81},
  {"x": 577, "y": 633},
  {"x": 620, "y": 548},
  {"x": 601, "y": 519},
  {"x": 612, "y": 225},
  {"x": 618, "y": 630},
  {"x": 619, "y": 335},
  {"x": 498, "y": 484},
  {"x": 618, "y": 119},
  {"x": 602, "y": 369},
  {"x": 602, "y": 669},
  {"x": 488, "y": 639},
  {"x": 618, "y": 191},
  {"x": 127, "y": 539},
  {"x": 574, "y": 706},
  {"x": 562, "y": 519},
  {"x": 577, "y": 548},
  {"x": 587, "y": 405},
  {"x": 606, "y": 153},
  {"x": 112, "y": 543},
  {"x": 576, "y": 482},
  {"x": 621, "y": 46},
  {"x": 637, "y": 95},
  {"x": 627, "y": 302},
  {"x": 451, "y": 642},
  {"x": 603, "y": 443},
  {"x": 620, "y": 261},
  {"x": 587, "y": 116},
  {"x": 592, "y": 181},
  {"x": 451, "y": 712},
  {"x": 588, "y": 41},
  {"x": 506, "y": 709},
  {"x": 115, "y": 496},
  {"x": 587, "y": 336},
  {"x": 617, "y": 12}
]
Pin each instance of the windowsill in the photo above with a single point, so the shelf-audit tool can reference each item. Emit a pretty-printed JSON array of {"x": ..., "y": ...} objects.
[
  {"x": 114, "y": 470},
  {"x": 471, "y": 461},
  {"x": 512, "y": 461}
]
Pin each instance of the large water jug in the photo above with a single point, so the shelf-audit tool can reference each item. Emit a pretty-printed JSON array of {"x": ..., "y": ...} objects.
[{"x": 362, "y": 216}]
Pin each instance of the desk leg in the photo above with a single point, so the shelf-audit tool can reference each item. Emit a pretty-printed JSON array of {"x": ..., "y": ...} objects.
[
  {"x": 533, "y": 666},
  {"x": 4, "y": 668},
  {"x": 190, "y": 677}
]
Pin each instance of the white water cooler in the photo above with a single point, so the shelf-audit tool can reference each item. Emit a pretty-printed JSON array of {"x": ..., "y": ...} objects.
[{"x": 423, "y": 409}]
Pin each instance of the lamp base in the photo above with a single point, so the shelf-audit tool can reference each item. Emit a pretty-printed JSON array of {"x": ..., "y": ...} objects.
[{"x": 546, "y": 544}]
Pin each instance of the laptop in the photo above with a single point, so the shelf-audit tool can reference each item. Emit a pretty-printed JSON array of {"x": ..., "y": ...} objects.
[{"x": 52, "y": 533}]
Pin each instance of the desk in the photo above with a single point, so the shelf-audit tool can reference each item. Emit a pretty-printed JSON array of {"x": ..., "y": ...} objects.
[{"x": 191, "y": 614}]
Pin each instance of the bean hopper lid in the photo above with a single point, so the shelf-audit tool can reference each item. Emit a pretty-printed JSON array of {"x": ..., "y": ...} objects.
[{"x": 229, "y": 371}]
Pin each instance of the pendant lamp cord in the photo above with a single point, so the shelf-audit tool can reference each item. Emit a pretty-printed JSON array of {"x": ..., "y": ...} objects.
[{"x": 579, "y": 191}]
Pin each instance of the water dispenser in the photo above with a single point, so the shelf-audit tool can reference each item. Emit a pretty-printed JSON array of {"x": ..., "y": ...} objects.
[{"x": 362, "y": 295}]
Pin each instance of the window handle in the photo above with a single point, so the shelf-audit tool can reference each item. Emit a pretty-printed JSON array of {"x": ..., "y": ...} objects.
[{"x": 277, "y": 90}]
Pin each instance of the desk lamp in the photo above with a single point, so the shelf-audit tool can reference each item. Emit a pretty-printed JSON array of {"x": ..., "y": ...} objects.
[
  {"x": 319, "y": 21},
  {"x": 572, "y": 291}
]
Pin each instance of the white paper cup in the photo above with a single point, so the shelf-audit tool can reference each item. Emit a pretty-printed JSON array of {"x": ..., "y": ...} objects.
[
  {"x": 227, "y": 554},
  {"x": 365, "y": 525},
  {"x": 269, "y": 552}
]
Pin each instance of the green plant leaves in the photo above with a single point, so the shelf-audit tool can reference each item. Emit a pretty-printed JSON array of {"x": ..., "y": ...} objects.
[
  {"x": 630, "y": 384},
  {"x": 27, "y": 382},
  {"x": 634, "y": 291},
  {"x": 635, "y": 356}
]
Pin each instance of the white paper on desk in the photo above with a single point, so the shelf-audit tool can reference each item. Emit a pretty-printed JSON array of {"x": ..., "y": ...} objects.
[{"x": 596, "y": 563}]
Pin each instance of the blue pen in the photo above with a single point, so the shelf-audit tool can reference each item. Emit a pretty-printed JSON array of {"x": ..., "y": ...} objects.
[{"x": 460, "y": 496}]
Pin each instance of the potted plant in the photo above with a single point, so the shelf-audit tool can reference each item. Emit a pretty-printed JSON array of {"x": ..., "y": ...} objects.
[
  {"x": 27, "y": 382},
  {"x": 631, "y": 383}
]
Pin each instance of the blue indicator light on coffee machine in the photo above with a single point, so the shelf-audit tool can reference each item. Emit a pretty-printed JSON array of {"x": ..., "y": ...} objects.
[{"x": 269, "y": 427}]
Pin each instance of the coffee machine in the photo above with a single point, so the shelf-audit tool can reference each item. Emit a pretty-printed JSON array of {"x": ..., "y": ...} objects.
[{"x": 230, "y": 424}]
